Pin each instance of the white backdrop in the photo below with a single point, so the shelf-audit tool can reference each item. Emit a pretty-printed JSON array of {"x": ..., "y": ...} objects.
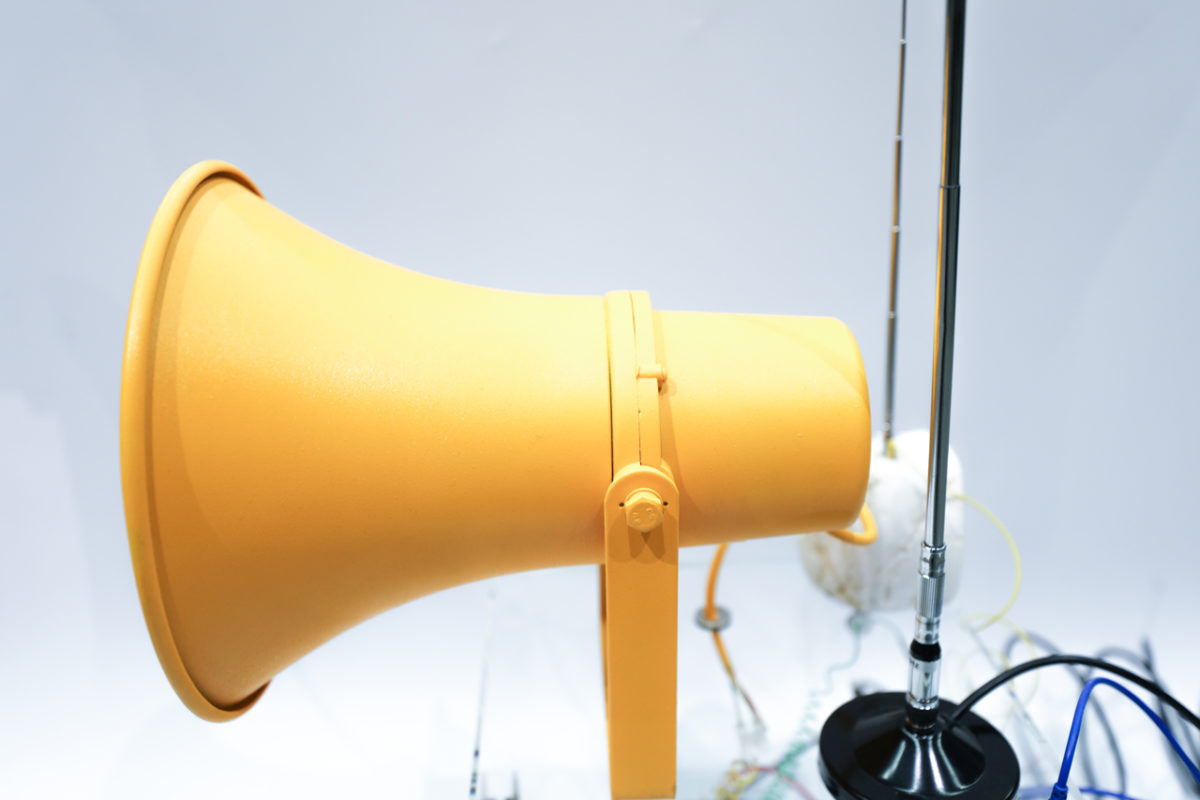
[{"x": 723, "y": 156}]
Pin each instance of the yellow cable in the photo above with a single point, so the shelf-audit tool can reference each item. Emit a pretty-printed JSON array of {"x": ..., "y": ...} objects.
[
  {"x": 710, "y": 613},
  {"x": 710, "y": 593},
  {"x": 720, "y": 644},
  {"x": 1002, "y": 615},
  {"x": 869, "y": 532},
  {"x": 1016, "y": 555}
]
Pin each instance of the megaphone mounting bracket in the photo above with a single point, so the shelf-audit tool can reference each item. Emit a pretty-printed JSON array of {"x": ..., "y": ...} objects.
[{"x": 639, "y": 580}]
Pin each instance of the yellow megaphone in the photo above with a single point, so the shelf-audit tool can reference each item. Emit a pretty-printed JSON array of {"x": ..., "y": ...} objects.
[{"x": 310, "y": 436}]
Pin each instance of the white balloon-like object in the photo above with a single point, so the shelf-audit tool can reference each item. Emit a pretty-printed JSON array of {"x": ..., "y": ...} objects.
[{"x": 883, "y": 575}]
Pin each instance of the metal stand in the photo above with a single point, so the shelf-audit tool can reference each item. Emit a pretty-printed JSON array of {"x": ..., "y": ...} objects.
[{"x": 882, "y": 745}]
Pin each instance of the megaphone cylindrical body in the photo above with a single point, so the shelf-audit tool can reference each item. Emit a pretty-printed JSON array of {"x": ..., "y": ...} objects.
[{"x": 311, "y": 436}]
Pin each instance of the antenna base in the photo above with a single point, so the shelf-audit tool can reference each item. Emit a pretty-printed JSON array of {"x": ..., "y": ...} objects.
[{"x": 869, "y": 751}]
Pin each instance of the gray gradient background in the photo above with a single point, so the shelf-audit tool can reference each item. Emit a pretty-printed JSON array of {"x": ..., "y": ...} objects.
[{"x": 731, "y": 156}]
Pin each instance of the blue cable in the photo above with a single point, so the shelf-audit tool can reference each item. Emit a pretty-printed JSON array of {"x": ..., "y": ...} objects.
[
  {"x": 1104, "y": 793},
  {"x": 1059, "y": 791},
  {"x": 1038, "y": 791}
]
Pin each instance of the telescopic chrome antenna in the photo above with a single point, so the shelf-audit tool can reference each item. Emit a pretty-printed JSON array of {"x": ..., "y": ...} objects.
[
  {"x": 890, "y": 389},
  {"x": 899, "y": 744},
  {"x": 925, "y": 660}
]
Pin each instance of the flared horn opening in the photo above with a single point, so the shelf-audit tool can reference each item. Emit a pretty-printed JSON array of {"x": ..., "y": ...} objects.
[{"x": 136, "y": 472}]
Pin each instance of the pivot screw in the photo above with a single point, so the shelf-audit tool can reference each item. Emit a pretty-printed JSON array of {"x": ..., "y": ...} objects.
[{"x": 643, "y": 510}]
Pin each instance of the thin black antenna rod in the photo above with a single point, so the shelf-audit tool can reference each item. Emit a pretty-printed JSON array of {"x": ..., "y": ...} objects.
[
  {"x": 476, "y": 790},
  {"x": 890, "y": 392},
  {"x": 925, "y": 659}
]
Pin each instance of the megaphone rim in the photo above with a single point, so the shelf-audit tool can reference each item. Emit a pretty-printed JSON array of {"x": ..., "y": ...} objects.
[{"x": 136, "y": 474}]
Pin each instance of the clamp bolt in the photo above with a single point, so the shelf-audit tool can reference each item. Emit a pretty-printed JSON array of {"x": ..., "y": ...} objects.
[{"x": 643, "y": 510}]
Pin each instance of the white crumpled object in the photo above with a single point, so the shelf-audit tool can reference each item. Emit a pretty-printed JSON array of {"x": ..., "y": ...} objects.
[{"x": 883, "y": 576}]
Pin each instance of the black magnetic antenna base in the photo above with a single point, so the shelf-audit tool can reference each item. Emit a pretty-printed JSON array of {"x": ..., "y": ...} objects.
[{"x": 870, "y": 752}]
